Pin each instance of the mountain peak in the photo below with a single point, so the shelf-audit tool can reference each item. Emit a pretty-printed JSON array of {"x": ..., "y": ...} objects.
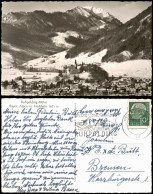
[
  {"x": 98, "y": 11},
  {"x": 88, "y": 11},
  {"x": 79, "y": 10}
]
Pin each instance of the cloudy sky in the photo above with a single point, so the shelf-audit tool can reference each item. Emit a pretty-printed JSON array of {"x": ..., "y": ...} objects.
[{"x": 124, "y": 11}]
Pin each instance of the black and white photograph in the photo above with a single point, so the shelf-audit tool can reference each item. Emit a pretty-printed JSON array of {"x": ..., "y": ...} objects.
[{"x": 76, "y": 48}]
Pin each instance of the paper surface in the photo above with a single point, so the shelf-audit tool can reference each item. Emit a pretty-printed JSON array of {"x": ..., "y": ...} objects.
[{"x": 76, "y": 145}]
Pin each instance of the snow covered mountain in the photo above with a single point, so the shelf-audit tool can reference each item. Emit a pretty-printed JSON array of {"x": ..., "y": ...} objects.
[
  {"x": 87, "y": 35},
  {"x": 98, "y": 16},
  {"x": 131, "y": 40},
  {"x": 39, "y": 33},
  {"x": 100, "y": 12},
  {"x": 78, "y": 18}
]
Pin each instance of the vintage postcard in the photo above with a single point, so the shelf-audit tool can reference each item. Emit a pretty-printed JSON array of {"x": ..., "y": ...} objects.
[
  {"x": 76, "y": 145},
  {"x": 76, "y": 48}
]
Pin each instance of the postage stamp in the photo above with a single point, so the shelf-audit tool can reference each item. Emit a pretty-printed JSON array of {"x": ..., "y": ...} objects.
[
  {"x": 137, "y": 121},
  {"x": 139, "y": 114}
]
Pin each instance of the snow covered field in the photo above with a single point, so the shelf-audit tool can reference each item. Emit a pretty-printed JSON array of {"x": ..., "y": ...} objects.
[
  {"x": 59, "y": 61},
  {"x": 9, "y": 72},
  {"x": 7, "y": 60},
  {"x": 43, "y": 76},
  {"x": 59, "y": 40},
  {"x": 132, "y": 68}
]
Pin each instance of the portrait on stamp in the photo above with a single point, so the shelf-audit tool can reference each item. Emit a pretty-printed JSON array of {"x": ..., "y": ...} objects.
[{"x": 139, "y": 113}]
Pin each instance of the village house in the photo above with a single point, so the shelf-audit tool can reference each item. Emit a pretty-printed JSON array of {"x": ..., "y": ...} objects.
[
  {"x": 74, "y": 86},
  {"x": 132, "y": 90}
]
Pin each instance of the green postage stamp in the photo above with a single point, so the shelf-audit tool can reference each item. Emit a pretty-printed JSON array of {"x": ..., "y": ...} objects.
[{"x": 139, "y": 114}]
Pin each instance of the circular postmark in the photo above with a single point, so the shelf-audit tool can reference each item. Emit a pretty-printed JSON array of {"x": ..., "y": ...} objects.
[{"x": 137, "y": 122}]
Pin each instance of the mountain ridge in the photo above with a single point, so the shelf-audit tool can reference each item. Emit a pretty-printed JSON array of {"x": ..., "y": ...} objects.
[
  {"x": 55, "y": 32},
  {"x": 57, "y": 19},
  {"x": 134, "y": 36},
  {"x": 43, "y": 33}
]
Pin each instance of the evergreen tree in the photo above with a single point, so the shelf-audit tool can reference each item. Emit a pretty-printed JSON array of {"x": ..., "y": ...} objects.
[
  {"x": 5, "y": 84},
  {"x": 81, "y": 68},
  {"x": 76, "y": 65},
  {"x": 60, "y": 73}
]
